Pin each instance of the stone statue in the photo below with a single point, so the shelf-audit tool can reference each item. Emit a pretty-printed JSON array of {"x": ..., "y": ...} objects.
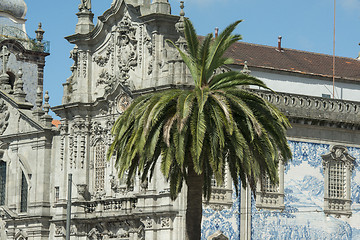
[{"x": 85, "y": 5}]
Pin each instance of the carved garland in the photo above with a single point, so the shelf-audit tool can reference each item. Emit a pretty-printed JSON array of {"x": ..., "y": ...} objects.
[
  {"x": 103, "y": 60},
  {"x": 4, "y": 116}
]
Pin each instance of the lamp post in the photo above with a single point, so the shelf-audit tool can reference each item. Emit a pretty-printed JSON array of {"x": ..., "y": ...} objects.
[{"x": 68, "y": 209}]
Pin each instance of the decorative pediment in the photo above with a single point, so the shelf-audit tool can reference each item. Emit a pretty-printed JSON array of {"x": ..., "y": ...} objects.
[
  {"x": 16, "y": 118},
  {"x": 338, "y": 153}
]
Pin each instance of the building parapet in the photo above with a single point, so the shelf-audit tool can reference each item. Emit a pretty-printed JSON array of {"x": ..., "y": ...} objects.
[{"x": 318, "y": 111}]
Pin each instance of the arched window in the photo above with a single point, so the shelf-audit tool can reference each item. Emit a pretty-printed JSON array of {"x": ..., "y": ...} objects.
[
  {"x": 24, "y": 193},
  {"x": 12, "y": 78},
  {"x": 2, "y": 182},
  {"x": 100, "y": 155}
]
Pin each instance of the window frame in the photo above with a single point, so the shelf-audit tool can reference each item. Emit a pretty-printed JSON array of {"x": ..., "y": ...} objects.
[
  {"x": 24, "y": 193},
  {"x": 271, "y": 200},
  {"x": 337, "y": 205},
  {"x": 99, "y": 144}
]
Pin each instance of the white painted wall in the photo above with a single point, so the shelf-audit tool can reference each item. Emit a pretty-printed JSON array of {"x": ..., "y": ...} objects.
[{"x": 309, "y": 86}]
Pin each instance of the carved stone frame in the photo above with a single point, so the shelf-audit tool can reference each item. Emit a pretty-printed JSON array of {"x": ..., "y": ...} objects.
[
  {"x": 221, "y": 196},
  {"x": 338, "y": 206},
  {"x": 271, "y": 200}
]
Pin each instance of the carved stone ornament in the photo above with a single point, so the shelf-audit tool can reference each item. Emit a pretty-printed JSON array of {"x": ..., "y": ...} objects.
[
  {"x": 60, "y": 231},
  {"x": 127, "y": 51},
  {"x": 105, "y": 78},
  {"x": 4, "y": 116},
  {"x": 165, "y": 222},
  {"x": 102, "y": 60},
  {"x": 148, "y": 222},
  {"x": 117, "y": 230},
  {"x": 123, "y": 101},
  {"x": 338, "y": 153}
]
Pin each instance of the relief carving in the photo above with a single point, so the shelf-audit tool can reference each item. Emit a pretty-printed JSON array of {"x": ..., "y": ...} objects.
[
  {"x": 84, "y": 60},
  {"x": 4, "y": 116},
  {"x": 103, "y": 60},
  {"x": 60, "y": 231},
  {"x": 105, "y": 78},
  {"x": 127, "y": 52},
  {"x": 165, "y": 222},
  {"x": 149, "y": 44}
]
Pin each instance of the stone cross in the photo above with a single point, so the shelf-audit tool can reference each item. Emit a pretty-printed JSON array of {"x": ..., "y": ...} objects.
[{"x": 5, "y": 57}]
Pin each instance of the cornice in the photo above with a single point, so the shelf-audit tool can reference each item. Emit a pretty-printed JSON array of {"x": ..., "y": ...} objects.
[{"x": 316, "y": 111}]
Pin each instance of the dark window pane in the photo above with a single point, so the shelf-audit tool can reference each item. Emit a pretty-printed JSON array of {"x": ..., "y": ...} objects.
[
  {"x": 24, "y": 194},
  {"x": 2, "y": 182}
]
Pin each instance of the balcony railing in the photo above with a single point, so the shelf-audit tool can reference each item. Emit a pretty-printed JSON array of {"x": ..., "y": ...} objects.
[
  {"x": 316, "y": 110},
  {"x": 8, "y": 32}
]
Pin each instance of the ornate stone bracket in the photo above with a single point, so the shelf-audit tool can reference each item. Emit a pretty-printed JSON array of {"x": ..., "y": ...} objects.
[{"x": 4, "y": 116}]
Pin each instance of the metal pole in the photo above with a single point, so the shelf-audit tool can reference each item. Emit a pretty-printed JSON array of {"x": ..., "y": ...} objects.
[{"x": 68, "y": 209}]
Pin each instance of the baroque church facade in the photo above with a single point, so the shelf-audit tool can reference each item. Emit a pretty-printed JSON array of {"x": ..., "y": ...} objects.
[{"x": 125, "y": 55}]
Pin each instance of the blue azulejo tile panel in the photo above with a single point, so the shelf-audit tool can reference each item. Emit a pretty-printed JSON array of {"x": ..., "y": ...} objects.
[
  {"x": 227, "y": 221},
  {"x": 303, "y": 217}
]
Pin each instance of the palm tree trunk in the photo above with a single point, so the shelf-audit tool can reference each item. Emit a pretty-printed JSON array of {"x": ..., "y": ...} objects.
[{"x": 194, "y": 204}]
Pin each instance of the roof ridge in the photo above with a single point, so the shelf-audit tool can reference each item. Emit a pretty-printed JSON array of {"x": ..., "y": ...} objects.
[{"x": 296, "y": 50}]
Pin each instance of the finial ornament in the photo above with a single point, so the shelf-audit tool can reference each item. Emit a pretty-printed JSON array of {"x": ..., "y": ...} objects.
[
  {"x": 38, "y": 98},
  {"x": 180, "y": 27},
  {"x": 19, "y": 87},
  {"x": 182, "y": 13},
  {"x": 39, "y": 33},
  {"x": 46, "y": 104},
  {"x": 19, "y": 83}
]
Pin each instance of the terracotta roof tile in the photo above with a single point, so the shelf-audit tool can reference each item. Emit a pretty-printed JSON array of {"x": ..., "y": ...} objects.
[
  {"x": 56, "y": 123},
  {"x": 294, "y": 61}
]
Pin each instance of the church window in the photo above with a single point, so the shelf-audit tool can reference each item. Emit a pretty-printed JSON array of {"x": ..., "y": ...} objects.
[
  {"x": 221, "y": 195},
  {"x": 338, "y": 166},
  {"x": 11, "y": 79},
  {"x": 100, "y": 153},
  {"x": 24, "y": 193},
  {"x": 57, "y": 194},
  {"x": 2, "y": 182},
  {"x": 269, "y": 195}
]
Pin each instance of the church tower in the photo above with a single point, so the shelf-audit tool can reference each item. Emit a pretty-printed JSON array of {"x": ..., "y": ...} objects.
[
  {"x": 20, "y": 54},
  {"x": 26, "y": 133}
]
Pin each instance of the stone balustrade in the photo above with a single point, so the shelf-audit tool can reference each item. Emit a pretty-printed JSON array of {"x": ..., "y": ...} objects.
[
  {"x": 126, "y": 205},
  {"x": 316, "y": 110}
]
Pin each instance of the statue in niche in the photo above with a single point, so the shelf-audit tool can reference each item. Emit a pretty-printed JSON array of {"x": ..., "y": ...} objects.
[{"x": 85, "y": 5}]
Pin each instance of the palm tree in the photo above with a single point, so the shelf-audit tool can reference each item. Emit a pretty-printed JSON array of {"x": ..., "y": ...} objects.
[{"x": 199, "y": 132}]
